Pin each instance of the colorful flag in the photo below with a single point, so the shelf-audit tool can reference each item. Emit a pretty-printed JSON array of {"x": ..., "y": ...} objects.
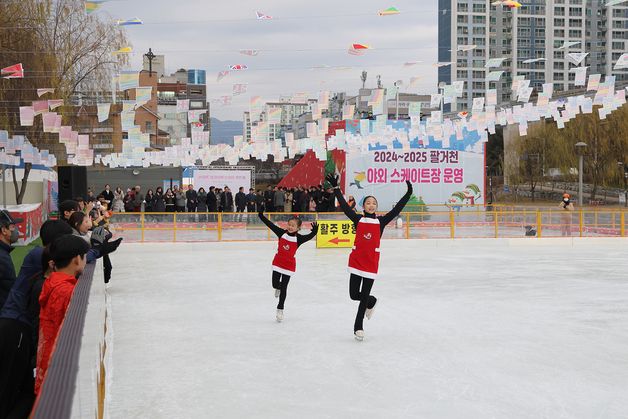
[
  {"x": 183, "y": 105},
  {"x": 103, "y": 111},
  {"x": 55, "y": 103},
  {"x": 262, "y": 16},
  {"x": 577, "y": 57},
  {"x": 389, "y": 12},
  {"x": 358, "y": 49},
  {"x": 129, "y": 80},
  {"x": 622, "y": 62},
  {"x": 274, "y": 115},
  {"x": 27, "y": 115},
  {"x": 128, "y": 120},
  {"x": 123, "y": 50},
  {"x": 15, "y": 71},
  {"x": 348, "y": 111},
  {"x": 129, "y": 22},
  {"x": 222, "y": 75},
  {"x": 92, "y": 6},
  {"x": 48, "y": 119},
  {"x": 40, "y": 106},
  {"x": 41, "y": 92},
  {"x": 239, "y": 89},
  {"x": 143, "y": 95}
]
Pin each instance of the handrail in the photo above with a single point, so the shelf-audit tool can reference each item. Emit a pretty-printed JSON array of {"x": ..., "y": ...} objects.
[
  {"x": 57, "y": 392},
  {"x": 501, "y": 222}
]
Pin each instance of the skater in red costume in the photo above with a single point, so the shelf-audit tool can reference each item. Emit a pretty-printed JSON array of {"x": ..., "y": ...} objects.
[
  {"x": 364, "y": 258},
  {"x": 284, "y": 263}
]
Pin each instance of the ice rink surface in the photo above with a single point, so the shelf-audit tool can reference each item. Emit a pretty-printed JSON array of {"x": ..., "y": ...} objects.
[{"x": 464, "y": 329}]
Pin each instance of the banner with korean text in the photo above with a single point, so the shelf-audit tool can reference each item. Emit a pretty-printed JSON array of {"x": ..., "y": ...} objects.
[{"x": 438, "y": 176}]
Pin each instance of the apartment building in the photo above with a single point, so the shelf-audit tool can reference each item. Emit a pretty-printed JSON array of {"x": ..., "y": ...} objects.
[{"x": 535, "y": 41}]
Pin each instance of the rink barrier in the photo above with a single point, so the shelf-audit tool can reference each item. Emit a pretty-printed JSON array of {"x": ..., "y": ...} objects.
[
  {"x": 74, "y": 386},
  {"x": 500, "y": 222}
]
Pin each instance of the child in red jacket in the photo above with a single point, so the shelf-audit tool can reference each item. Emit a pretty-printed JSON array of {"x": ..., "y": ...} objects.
[
  {"x": 68, "y": 258},
  {"x": 284, "y": 263},
  {"x": 364, "y": 258}
]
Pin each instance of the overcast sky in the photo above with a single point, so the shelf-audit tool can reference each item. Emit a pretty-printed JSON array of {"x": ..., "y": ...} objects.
[{"x": 208, "y": 35}]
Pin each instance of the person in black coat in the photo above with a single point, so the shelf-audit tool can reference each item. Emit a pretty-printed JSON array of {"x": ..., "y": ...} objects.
[
  {"x": 159, "y": 203},
  {"x": 251, "y": 200},
  {"x": 149, "y": 206},
  {"x": 240, "y": 200},
  {"x": 259, "y": 201},
  {"x": 192, "y": 199},
  {"x": 269, "y": 199},
  {"x": 227, "y": 200},
  {"x": 212, "y": 202},
  {"x": 297, "y": 200},
  {"x": 108, "y": 194}
]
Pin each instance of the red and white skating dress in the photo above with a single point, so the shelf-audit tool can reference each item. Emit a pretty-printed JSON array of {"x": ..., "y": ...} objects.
[
  {"x": 364, "y": 258},
  {"x": 284, "y": 261}
]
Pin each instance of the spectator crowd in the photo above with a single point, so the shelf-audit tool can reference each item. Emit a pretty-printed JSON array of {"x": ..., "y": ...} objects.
[
  {"x": 188, "y": 199},
  {"x": 33, "y": 302}
]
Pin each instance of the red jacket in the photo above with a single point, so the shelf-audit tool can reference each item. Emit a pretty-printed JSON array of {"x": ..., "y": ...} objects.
[{"x": 54, "y": 301}]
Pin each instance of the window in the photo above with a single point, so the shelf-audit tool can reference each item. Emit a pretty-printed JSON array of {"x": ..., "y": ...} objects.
[
  {"x": 575, "y": 23},
  {"x": 573, "y": 33},
  {"x": 575, "y": 11},
  {"x": 479, "y": 8},
  {"x": 149, "y": 126}
]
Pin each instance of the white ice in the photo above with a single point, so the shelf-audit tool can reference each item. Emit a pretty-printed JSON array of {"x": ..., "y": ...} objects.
[{"x": 464, "y": 329}]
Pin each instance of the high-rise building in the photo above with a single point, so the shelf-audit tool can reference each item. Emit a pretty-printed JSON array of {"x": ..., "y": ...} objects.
[{"x": 473, "y": 31}]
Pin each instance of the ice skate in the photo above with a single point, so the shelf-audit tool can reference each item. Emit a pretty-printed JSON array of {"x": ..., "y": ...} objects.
[
  {"x": 277, "y": 293},
  {"x": 279, "y": 316},
  {"x": 359, "y": 335},
  {"x": 369, "y": 311}
]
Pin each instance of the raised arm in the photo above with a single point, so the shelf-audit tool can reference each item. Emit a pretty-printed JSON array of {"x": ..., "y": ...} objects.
[
  {"x": 387, "y": 218},
  {"x": 307, "y": 237},
  {"x": 277, "y": 230},
  {"x": 333, "y": 181}
]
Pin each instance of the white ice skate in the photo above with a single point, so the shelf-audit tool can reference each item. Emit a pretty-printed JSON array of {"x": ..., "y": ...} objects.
[
  {"x": 359, "y": 335},
  {"x": 369, "y": 311},
  {"x": 279, "y": 316},
  {"x": 277, "y": 293}
]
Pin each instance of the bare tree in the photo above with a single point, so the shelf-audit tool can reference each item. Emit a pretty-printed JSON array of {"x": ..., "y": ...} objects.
[{"x": 61, "y": 47}]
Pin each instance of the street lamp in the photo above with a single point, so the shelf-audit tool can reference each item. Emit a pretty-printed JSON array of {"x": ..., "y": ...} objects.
[{"x": 580, "y": 148}]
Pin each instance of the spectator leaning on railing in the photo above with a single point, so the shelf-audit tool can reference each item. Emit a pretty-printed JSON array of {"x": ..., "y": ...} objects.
[
  {"x": 68, "y": 254},
  {"x": 19, "y": 326}
]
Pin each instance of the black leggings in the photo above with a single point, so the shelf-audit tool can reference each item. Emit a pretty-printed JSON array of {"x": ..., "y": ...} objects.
[
  {"x": 366, "y": 300},
  {"x": 280, "y": 282},
  {"x": 107, "y": 267}
]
